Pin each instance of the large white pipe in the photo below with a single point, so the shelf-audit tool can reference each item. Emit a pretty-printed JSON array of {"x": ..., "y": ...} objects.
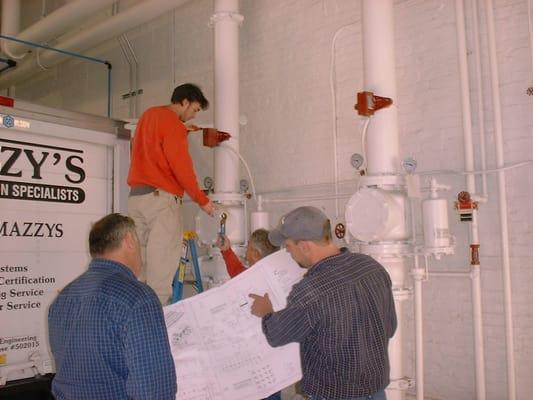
[
  {"x": 471, "y": 187},
  {"x": 380, "y": 78},
  {"x": 502, "y": 197},
  {"x": 55, "y": 24},
  {"x": 383, "y": 148},
  {"x": 116, "y": 25},
  {"x": 226, "y": 21}
]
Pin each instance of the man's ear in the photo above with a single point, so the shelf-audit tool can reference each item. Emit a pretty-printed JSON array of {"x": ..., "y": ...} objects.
[
  {"x": 129, "y": 240},
  {"x": 256, "y": 253},
  {"x": 304, "y": 246}
]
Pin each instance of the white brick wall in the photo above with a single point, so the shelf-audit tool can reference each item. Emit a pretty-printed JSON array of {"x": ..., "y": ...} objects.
[{"x": 288, "y": 140}]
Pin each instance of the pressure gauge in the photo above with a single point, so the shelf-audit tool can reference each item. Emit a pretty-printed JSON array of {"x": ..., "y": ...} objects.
[
  {"x": 244, "y": 185},
  {"x": 409, "y": 165},
  {"x": 208, "y": 183},
  {"x": 356, "y": 160}
]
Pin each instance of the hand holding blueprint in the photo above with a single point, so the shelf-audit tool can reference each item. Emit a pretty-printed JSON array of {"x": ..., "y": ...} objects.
[{"x": 219, "y": 349}]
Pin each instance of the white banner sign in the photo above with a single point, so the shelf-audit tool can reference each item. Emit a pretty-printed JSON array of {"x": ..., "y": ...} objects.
[{"x": 51, "y": 190}]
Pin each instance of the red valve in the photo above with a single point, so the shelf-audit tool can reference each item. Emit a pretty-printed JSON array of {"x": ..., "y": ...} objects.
[
  {"x": 213, "y": 138},
  {"x": 466, "y": 206},
  {"x": 474, "y": 248},
  {"x": 368, "y": 103}
]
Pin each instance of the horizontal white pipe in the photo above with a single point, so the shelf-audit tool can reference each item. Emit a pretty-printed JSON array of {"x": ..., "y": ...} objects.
[
  {"x": 56, "y": 23},
  {"x": 451, "y": 274},
  {"x": 110, "y": 28},
  {"x": 308, "y": 198}
]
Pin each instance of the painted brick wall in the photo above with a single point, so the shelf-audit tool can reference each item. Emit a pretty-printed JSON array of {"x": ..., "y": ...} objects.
[{"x": 288, "y": 139}]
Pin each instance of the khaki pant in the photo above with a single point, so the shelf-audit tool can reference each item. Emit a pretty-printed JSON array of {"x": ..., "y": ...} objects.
[{"x": 159, "y": 226}]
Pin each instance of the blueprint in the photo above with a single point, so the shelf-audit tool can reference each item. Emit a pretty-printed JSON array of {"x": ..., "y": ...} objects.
[{"x": 219, "y": 349}]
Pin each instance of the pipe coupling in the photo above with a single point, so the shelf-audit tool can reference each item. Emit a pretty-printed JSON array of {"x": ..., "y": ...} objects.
[{"x": 220, "y": 16}]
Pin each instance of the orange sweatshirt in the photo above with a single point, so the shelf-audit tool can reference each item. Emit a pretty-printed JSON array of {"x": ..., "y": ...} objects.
[
  {"x": 233, "y": 264},
  {"x": 160, "y": 155}
]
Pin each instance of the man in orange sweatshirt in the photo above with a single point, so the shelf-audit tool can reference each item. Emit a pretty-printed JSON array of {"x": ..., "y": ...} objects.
[{"x": 161, "y": 171}]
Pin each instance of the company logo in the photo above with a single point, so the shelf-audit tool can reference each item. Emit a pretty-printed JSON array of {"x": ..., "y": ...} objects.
[
  {"x": 8, "y": 121},
  {"x": 23, "y": 165}
]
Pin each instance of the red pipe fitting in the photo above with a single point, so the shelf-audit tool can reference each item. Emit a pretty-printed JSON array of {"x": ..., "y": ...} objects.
[
  {"x": 368, "y": 103},
  {"x": 474, "y": 249},
  {"x": 213, "y": 138}
]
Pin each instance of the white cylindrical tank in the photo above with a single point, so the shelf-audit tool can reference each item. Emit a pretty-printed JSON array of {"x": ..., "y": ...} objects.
[
  {"x": 259, "y": 220},
  {"x": 436, "y": 228}
]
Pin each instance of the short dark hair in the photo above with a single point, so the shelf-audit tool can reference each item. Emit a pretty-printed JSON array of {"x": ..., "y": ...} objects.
[
  {"x": 107, "y": 233},
  {"x": 191, "y": 92},
  {"x": 259, "y": 241}
]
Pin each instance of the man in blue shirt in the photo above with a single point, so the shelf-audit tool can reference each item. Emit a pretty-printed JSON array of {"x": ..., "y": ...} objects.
[
  {"x": 342, "y": 312},
  {"x": 107, "y": 331}
]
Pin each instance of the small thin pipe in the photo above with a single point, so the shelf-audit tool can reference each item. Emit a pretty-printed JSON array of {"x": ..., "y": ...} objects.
[
  {"x": 479, "y": 351},
  {"x": 69, "y": 53},
  {"x": 252, "y": 184},
  {"x": 451, "y": 274},
  {"x": 418, "y": 275},
  {"x": 530, "y": 26},
  {"x": 332, "y": 78},
  {"x": 480, "y": 97},
  {"x": 502, "y": 198},
  {"x": 136, "y": 74},
  {"x": 310, "y": 198},
  {"x": 478, "y": 172}
]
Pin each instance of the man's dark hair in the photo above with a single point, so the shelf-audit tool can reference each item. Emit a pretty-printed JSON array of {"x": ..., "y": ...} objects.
[
  {"x": 191, "y": 92},
  {"x": 107, "y": 233},
  {"x": 259, "y": 241}
]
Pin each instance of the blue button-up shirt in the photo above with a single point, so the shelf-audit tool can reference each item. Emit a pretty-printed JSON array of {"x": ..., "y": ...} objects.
[
  {"x": 108, "y": 338},
  {"x": 342, "y": 314}
]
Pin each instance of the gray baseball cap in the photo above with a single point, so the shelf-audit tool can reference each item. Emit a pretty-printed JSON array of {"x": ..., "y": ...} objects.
[{"x": 302, "y": 223}]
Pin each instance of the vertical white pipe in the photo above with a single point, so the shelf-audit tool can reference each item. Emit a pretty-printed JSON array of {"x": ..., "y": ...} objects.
[
  {"x": 477, "y": 313},
  {"x": 471, "y": 186},
  {"x": 10, "y": 20},
  {"x": 383, "y": 146},
  {"x": 502, "y": 197},
  {"x": 380, "y": 78},
  {"x": 226, "y": 21},
  {"x": 418, "y": 275},
  {"x": 480, "y": 97},
  {"x": 465, "y": 94}
]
